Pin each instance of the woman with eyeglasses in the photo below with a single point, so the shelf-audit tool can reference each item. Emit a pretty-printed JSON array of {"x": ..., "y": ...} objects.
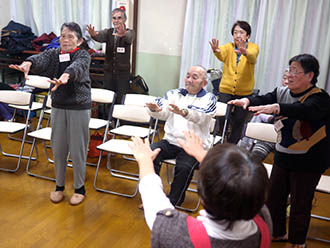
[{"x": 302, "y": 149}]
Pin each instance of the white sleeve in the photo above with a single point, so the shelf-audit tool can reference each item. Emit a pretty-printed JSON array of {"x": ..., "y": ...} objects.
[{"x": 153, "y": 197}]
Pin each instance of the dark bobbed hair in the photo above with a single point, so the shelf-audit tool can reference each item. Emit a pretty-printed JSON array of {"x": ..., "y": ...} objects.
[
  {"x": 243, "y": 25},
  {"x": 74, "y": 27},
  {"x": 309, "y": 64},
  {"x": 233, "y": 184},
  {"x": 120, "y": 10}
]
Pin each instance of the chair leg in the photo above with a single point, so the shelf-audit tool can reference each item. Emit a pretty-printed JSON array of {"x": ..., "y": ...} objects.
[
  {"x": 29, "y": 162},
  {"x": 319, "y": 239},
  {"x": 115, "y": 175},
  {"x": 192, "y": 210},
  {"x": 19, "y": 156},
  {"x": 320, "y": 218}
]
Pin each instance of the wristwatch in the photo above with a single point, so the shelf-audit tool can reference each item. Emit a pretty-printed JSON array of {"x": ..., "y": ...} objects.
[{"x": 185, "y": 112}]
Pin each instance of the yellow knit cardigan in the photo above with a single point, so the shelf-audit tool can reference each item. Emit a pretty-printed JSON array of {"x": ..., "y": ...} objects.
[{"x": 237, "y": 79}]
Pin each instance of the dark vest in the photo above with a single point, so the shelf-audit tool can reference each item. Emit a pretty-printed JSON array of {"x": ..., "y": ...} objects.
[{"x": 117, "y": 56}]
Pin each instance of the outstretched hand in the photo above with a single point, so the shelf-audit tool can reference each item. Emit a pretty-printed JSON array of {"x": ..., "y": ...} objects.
[
  {"x": 24, "y": 67},
  {"x": 176, "y": 110},
  {"x": 91, "y": 30},
  {"x": 64, "y": 78},
  {"x": 142, "y": 151},
  {"x": 120, "y": 30},
  {"x": 144, "y": 155},
  {"x": 153, "y": 107},
  {"x": 266, "y": 109},
  {"x": 243, "y": 102},
  {"x": 193, "y": 145},
  {"x": 242, "y": 47},
  {"x": 214, "y": 43}
]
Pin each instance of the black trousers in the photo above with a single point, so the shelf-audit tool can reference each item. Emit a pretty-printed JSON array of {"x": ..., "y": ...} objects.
[
  {"x": 301, "y": 187},
  {"x": 237, "y": 119},
  {"x": 118, "y": 83},
  {"x": 183, "y": 171}
]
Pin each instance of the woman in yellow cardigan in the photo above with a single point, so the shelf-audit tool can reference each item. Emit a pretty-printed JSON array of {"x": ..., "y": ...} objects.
[{"x": 239, "y": 58}]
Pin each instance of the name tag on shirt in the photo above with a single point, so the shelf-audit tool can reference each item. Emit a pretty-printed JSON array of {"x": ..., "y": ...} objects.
[
  {"x": 120, "y": 49},
  {"x": 64, "y": 57},
  {"x": 278, "y": 125}
]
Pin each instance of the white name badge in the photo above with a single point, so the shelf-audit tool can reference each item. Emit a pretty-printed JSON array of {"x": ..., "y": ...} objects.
[
  {"x": 278, "y": 125},
  {"x": 64, "y": 57},
  {"x": 120, "y": 49}
]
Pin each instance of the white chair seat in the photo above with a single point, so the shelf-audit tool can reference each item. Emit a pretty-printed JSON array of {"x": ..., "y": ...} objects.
[
  {"x": 217, "y": 139},
  {"x": 95, "y": 123},
  {"x": 261, "y": 131},
  {"x": 170, "y": 161},
  {"x": 35, "y": 106},
  {"x": 22, "y": 99},
  {"x": 11, "y": 127},
  {"x": 117, "y": 146},
  {"x": 269, "y": 168},
  {"x": 48, "y": 111},
  {"x": 44, "y": 133},
  {"x": 131, "y": 131},
  {"x": 38, "y": 82},
  {"x": 221, "y": 109},
  {"x": 324, "y": 184}
]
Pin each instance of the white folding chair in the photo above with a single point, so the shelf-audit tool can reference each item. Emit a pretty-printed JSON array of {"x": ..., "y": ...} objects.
[
  {"x": 43, "y": 134},
  {"x": 138, "y": 100},
  {"x": 101, "y": 96},
  {"x": 36, "y": 82},
  {"x": 134, "y": 114},
  {"x": 220, "y": 112},
  {"x": 262, "y": 132},
  {"x": 18, "y": 98}
]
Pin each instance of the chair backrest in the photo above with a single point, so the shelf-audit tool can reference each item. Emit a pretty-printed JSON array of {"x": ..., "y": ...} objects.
[
  {"x": 102, "y": 95},
  {"x": 138, "y": 99},
  {"x": 15, "y": 97},
  {"x": 261, "y": 131},
  {"x": 131, "y": 113},
  {"x": 38, "y": 82},
  {"x": 221, "y": 109},
  {"x": 49, "y": 102}
]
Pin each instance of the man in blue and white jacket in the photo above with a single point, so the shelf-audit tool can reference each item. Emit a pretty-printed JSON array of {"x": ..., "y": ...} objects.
[{"x": 189, "y": 108}]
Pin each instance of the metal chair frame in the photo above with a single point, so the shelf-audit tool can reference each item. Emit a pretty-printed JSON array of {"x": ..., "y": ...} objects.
[
  {"x": 132, "y": 113},
  {"x": 21, "y": 99},
  {"x": 36, "y": 82},
  {"x": 322, "y": 187}
]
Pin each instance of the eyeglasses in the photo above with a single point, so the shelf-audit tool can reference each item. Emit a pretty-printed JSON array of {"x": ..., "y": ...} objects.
[{"x": 294, "y": 72}]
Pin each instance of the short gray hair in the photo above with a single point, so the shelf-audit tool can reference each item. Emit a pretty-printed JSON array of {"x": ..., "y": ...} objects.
[
  {"x": 204, "y": 76},
  {"x": 120, "y": 10}
]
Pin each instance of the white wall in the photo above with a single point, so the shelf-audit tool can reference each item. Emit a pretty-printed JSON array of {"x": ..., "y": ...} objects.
[
  {"x": 159, "y": 43},
  {"x": 160, "y": 26},
  {"x": 4, "y": 12}
]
